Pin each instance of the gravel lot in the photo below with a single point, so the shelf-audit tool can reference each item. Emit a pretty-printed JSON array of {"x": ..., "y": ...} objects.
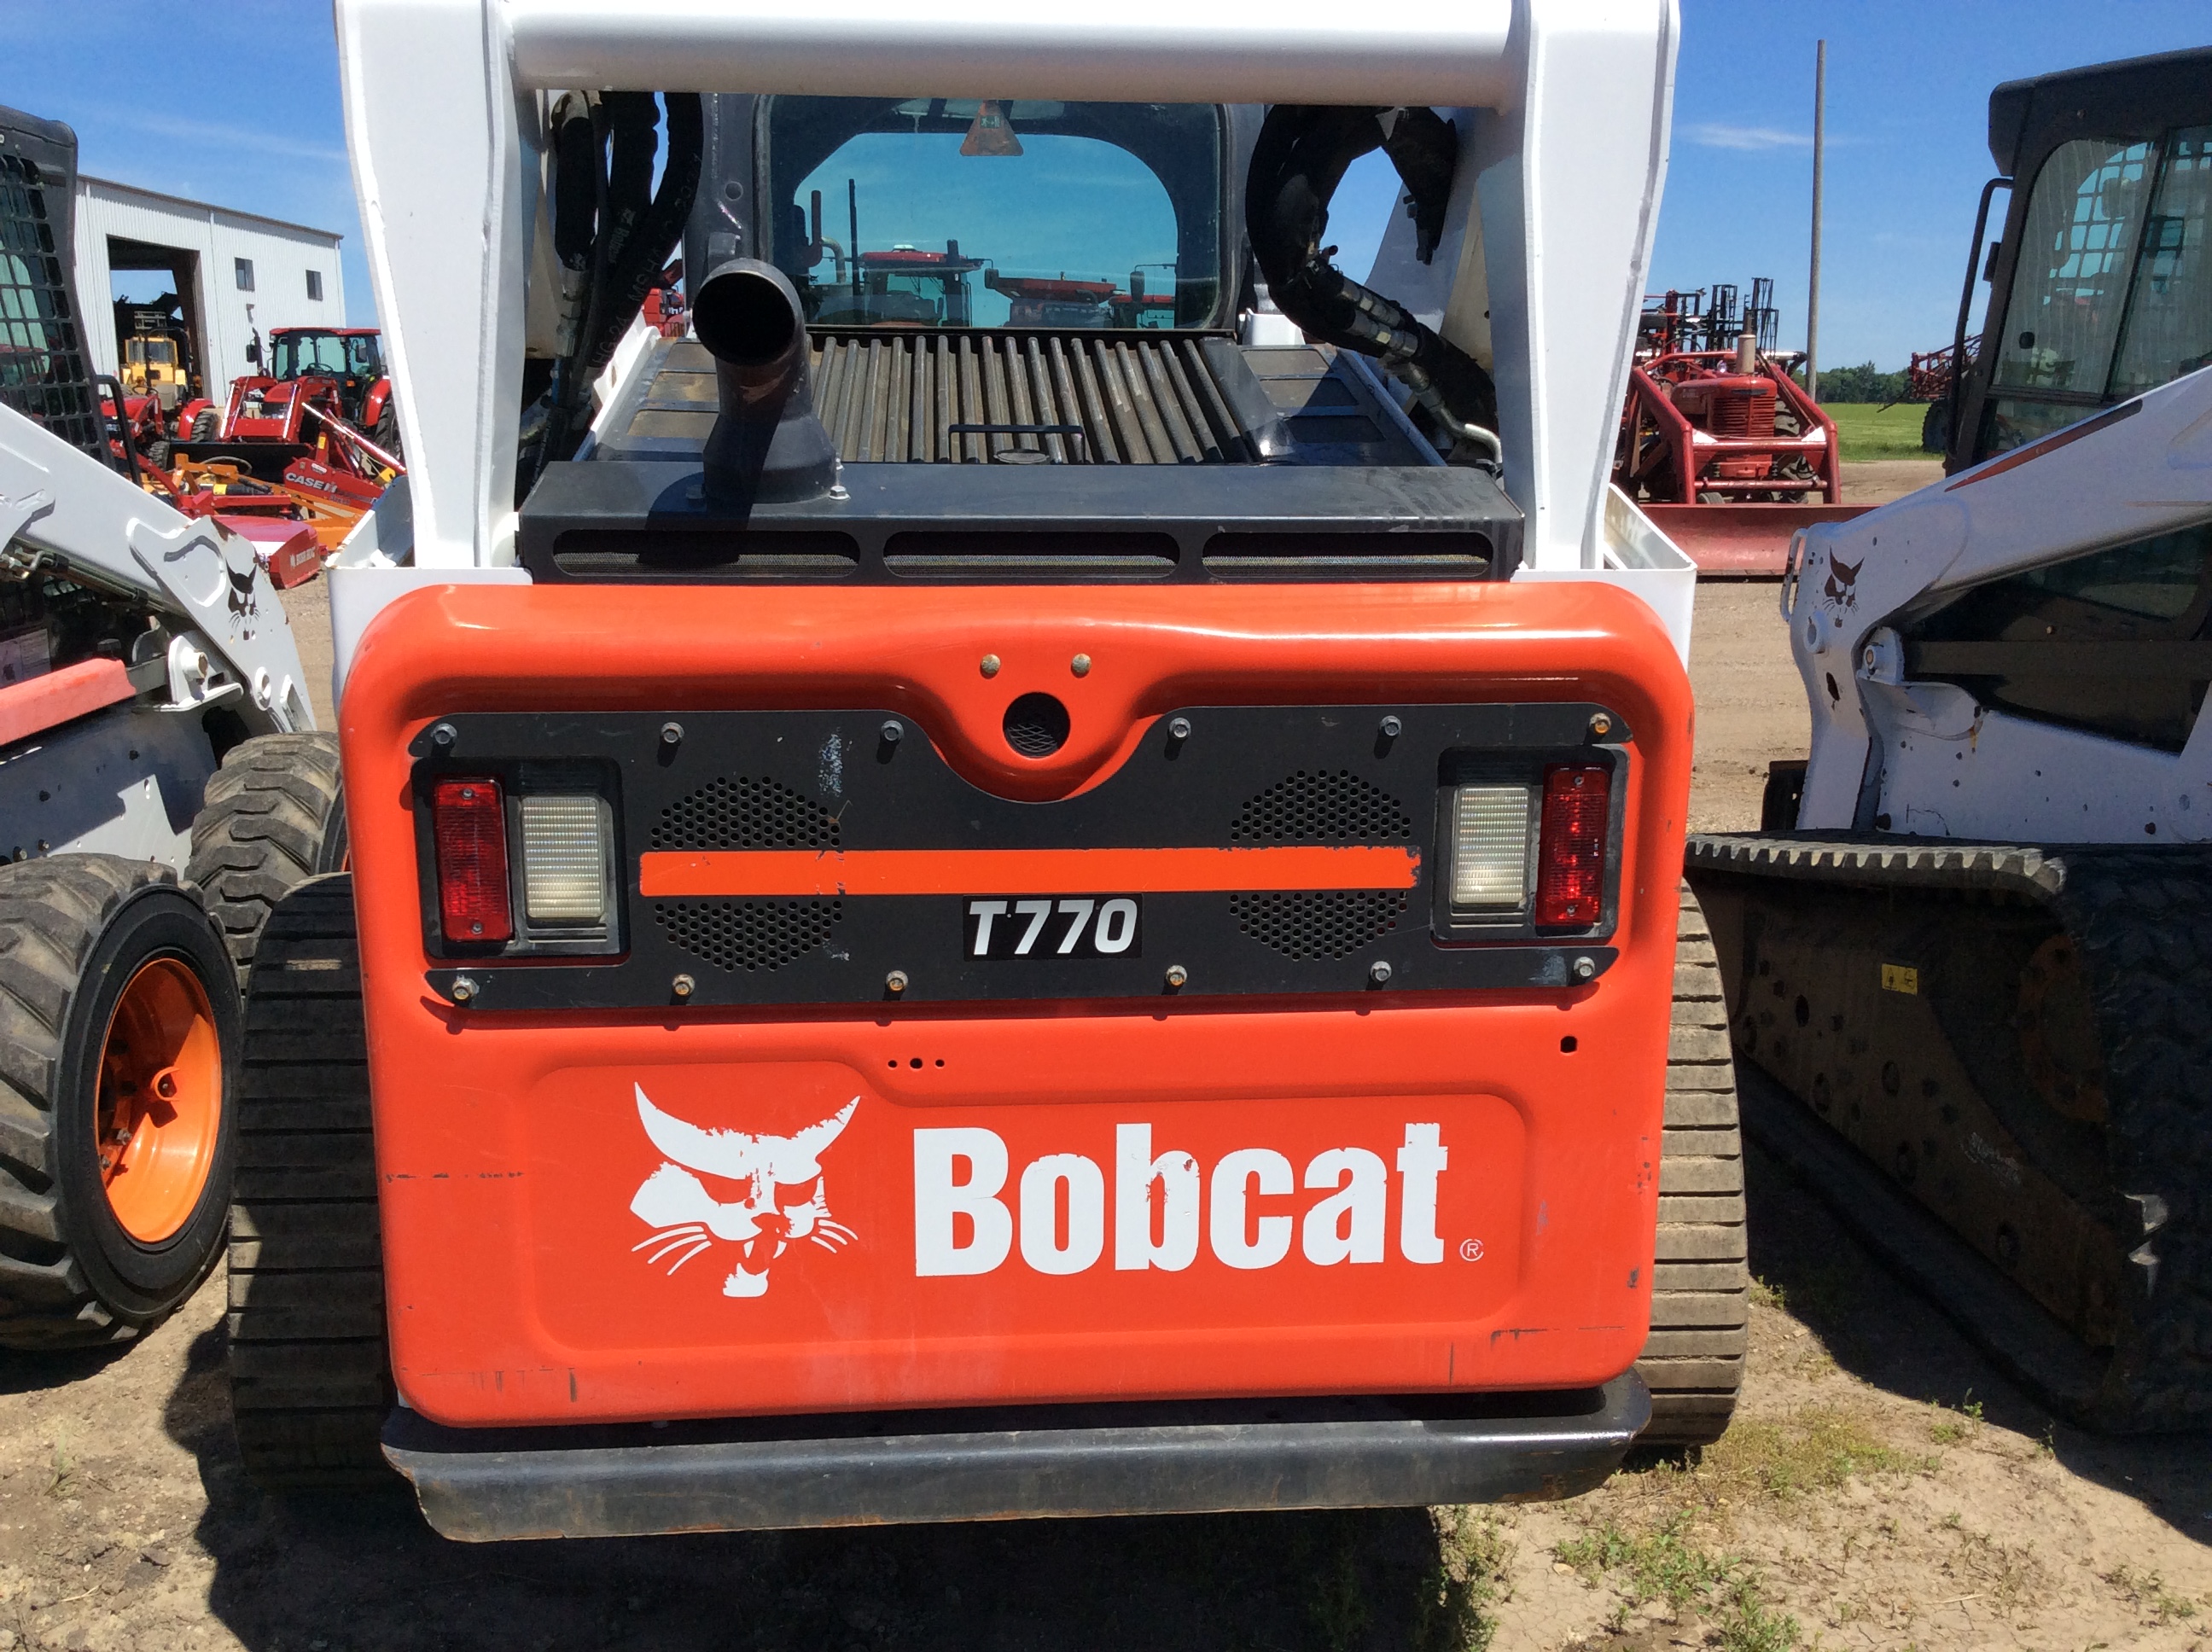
[{"x": 1884, "y": 1487}]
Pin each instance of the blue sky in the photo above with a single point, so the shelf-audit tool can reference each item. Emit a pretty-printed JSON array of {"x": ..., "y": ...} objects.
[
  {"x": 1908, "y": 83},
  {"x": 234, "y": 102},
  {"x": 238, "y": 103}
]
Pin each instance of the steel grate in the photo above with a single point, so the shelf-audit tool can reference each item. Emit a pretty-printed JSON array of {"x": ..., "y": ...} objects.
[
  {"x": 745, "y": 813},
  {"x": 1136, "y": 401},
  {"x": 43, "y": 374}
]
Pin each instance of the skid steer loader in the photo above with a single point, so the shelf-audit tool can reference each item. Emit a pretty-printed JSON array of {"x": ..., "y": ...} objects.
[
  {"x": 1056, "y": 898},
  {"x": 160, "y": 786},
  {"x": 1973, "y": 938}
]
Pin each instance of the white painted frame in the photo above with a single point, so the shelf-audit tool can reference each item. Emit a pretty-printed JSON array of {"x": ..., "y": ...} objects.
[{"x": 1568, "y": 104}]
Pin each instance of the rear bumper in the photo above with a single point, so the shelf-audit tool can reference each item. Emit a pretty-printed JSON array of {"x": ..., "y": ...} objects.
[{"x": 1013, "y": 1463}]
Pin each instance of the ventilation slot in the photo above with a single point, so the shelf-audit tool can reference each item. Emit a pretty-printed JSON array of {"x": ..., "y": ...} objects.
[
  {"x": 1320, "y": 807},
  {"x": 1084, "y": 401},
  {"x": 617, "y": 555},
  {"x": 745, "y": 814},
  {"x": 932, "y": 554},
  {"x": 749, "y": 935},
  {"x": 1413, "y": 555}
]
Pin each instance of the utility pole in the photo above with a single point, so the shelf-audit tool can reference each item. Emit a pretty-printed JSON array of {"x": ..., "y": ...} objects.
[{"x": 1813, "y": 295}]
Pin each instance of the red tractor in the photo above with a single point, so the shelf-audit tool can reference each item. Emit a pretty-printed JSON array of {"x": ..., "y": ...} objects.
[{"x": 326, "y": 391}]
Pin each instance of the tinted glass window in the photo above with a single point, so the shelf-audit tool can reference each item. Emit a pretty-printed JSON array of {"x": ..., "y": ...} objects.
[
  {"x": 298, "y": 353},
  {"x": 2071, "y": 278},
  {"x": 2168, "y": 331},
  {"x": 971, "y": 212},
  {"x": 2117, "y": 642}
]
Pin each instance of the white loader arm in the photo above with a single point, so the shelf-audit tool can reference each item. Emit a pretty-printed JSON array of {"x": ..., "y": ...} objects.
[{"x": 62, "y": 510}]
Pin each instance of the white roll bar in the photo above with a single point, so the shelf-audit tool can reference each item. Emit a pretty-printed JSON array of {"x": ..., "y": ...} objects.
[{"x": 1566, "y": 107}]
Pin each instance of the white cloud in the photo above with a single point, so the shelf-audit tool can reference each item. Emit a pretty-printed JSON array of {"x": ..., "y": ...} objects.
[{"x": 1718, "y": 135}]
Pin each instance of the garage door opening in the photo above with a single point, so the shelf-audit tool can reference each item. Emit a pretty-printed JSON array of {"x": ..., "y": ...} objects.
[{"x": 159, "y": 348}]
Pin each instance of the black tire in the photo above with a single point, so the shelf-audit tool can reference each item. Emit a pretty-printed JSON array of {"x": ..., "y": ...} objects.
[
  {"x": 1701, "y": 1285},
  {"x": 205, "y": 424},
  {"x": 274, "y": 817},
  {"x": 1935, "y": 427},
  {"x": 157, "y": 454},
  {"x": 386, "y": 434},
  {"x": 310, "y": 1372},
  {"x": 75, "y": 930}
]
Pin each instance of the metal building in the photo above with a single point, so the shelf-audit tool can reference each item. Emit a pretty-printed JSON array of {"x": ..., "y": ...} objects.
[{"x": 234, "y": 275}]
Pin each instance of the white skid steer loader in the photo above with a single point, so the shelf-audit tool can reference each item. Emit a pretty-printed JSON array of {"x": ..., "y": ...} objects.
[
  {"x": 1973, "y": 939},
  {"x": 161, "y": 786}
]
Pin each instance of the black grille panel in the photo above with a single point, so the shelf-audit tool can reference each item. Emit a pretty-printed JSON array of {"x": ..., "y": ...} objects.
[
  {"x": 1322, "y": 807},
  {"x": 745, "y": 813},
  {"x": 749, "y": 935},
  {"x": 914, "y": 844},
  {"x": 1332, "y": 925},
  {"x": 1106, "y": 400}
]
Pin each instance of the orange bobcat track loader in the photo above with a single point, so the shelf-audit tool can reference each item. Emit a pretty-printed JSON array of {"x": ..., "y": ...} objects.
[{"x": 984, "y": 919}]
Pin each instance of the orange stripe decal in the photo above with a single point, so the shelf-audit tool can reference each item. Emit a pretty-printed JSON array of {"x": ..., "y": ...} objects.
[{"x": 1023, "y": 872}]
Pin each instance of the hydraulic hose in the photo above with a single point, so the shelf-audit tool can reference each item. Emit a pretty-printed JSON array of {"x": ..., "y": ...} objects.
[
  {"x": 1303, "y": 152},
  {"x": 631, "y": 241}
]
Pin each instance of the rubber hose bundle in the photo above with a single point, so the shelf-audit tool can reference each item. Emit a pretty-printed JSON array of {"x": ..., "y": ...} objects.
[
  {"x": 606, "y": 230},
  {"x": 1301, "y": 157}
]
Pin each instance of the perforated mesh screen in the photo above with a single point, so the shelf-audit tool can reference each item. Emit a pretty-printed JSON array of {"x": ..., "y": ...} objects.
[
  {"x": 1333, "y": 925},
  {"x": 43, "y": 371},
  {"x": 1320, "y": 806},
  {"x": 745, "y": 813},
  {"x": 748, "y": 935}
]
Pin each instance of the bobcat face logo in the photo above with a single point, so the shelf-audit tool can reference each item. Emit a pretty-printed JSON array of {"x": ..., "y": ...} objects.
[
  {"x": 1842, "y": 586},
  {"x": 758, "y": 1192}
]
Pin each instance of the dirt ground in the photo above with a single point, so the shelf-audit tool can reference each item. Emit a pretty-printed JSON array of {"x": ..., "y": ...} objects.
[{"x": 1883, "y": 1487}]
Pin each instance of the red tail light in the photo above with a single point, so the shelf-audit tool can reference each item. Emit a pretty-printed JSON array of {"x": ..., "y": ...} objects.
[
  {"x": 1571, "y": 865},
  {"x": 470, "y": 821}
]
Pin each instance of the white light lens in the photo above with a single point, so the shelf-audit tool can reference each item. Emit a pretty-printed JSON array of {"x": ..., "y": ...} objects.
[
  {"x": 564, "y": 860},
  {"x": 1490, "y": 847}
]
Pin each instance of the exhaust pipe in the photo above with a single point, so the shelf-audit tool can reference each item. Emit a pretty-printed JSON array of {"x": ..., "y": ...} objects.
[{"x": 767, "y": 446}]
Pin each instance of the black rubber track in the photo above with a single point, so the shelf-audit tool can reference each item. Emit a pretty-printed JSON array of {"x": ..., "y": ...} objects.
[
  {"x": 1701, "y": 1285},
  {"x": 310, "y": 1375},
  {"x": 273, "y": 817},
  {"x": 2142, "y": 921},
  {"x": 53, "y": 915}
]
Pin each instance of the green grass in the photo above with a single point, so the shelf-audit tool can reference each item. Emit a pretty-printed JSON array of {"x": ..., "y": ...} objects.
[
  {"x": 1867, "y": 431},
  {"x": 1667, "y": 1564}
]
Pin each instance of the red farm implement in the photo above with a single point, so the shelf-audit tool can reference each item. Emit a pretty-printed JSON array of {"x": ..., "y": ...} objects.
[
  {"x": 1930, "y": 378},
  {"x": 1719, "y": 445}
]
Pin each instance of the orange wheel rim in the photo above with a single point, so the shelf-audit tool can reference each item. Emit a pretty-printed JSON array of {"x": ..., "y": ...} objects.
[{"x": 160, "y": 1100}]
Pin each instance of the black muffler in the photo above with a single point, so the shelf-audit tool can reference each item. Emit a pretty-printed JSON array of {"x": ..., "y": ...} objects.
[{"x": 767, "y": 446}]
